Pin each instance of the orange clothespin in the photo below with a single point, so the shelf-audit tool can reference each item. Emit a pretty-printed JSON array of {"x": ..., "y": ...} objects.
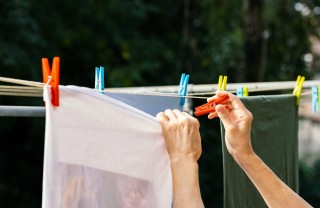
[
  {"x": 210, "y": 107},
  {"x": 52, "y": 77}
]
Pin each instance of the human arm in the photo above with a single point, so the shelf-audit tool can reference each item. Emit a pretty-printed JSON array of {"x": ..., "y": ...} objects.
[
  {"x": 183, "y": 143},
  {"x": 237, "y": 122}
]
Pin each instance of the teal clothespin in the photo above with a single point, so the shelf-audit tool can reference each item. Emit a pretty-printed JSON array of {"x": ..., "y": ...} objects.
[
  {"x": 315, "y": 99},
  {"x": 242, "y": 91},
  {"x": 239, "y": 91},
  {"x": 99, "y": 79},
  {"x": 318, "y": 98},
  {"x": 183, "y": 87}
]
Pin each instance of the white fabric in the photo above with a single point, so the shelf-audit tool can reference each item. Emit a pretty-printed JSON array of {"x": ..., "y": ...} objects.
[{"x": 101, "y": 153}]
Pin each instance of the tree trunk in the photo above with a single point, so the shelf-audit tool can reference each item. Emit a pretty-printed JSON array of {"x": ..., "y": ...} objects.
[{"x": 255, "y": 43}]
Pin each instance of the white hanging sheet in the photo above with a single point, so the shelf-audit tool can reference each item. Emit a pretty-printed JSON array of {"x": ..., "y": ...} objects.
[{"x": 101, "y": 153}]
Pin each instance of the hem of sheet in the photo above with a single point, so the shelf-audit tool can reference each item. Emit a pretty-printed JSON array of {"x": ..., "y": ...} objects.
[{"x": 96, "y": 94}]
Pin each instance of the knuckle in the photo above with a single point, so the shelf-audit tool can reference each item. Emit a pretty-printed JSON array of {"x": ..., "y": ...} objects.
[
  {"x": 223, "y": 115},
  {"x": 176, "y": 111},
  {"x": 232, "y": 129},
  {"x": 190, "y": 122},
  {"x": 250, "y": 117},
  {"x": 183, "y": 121},
  {"x": 167, "y": 111},
  {"x": 159, "y": 115},
  {"x": 173, "y": 125},
  {"x": 196, "y": 122}
]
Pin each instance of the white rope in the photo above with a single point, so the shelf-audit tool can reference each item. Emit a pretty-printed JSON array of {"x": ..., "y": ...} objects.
[
  {"x": 21, "y": 82},
  {"x": 36, "y": 88}
]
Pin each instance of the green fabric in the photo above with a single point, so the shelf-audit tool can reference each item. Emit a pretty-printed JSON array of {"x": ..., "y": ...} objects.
[{"x": 274, "y": 138}]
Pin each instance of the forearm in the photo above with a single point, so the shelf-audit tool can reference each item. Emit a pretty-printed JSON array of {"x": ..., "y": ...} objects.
[
  {"x": 272, "y": 189},
  {"x": 186, "y": 190}
]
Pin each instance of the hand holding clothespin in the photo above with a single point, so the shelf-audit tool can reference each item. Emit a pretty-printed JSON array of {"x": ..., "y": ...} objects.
[
  {"x": 210, "y": 106},
  {"x": 52, "y": 77}
]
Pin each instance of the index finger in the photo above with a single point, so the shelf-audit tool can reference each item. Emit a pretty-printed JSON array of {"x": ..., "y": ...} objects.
[{"x": 161, "y": 117}]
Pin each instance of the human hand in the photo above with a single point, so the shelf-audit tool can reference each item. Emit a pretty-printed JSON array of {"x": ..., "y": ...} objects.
[
  {"x": 181, "y": 135},
  {"x": 183, "y": 142},
  {"x": 236, "y": 119}
]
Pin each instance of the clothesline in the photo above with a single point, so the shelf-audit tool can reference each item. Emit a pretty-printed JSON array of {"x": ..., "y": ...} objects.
[
  {"x": 203, "y": 91},
  {"x": 35, "y": 111},
  {"x": 199, "y": 91}
]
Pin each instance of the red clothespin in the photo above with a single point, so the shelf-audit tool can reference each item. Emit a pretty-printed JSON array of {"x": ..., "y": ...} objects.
[
  {"x": 52, "y": 77},
  {"x": 210, "y": 107}
]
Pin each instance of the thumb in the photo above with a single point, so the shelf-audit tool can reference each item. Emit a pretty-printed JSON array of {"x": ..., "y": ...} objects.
[{"x": 224, "y": 115}]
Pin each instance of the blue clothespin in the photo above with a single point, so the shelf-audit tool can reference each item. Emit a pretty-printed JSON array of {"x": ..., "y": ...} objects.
[
  {"x": 239, "y": 91},
  {"x": 99, "y": 79},
  {"x": 315, "y": 99},
  {"x": 183, "y": 87},
  {"x": 242, "y": 91}
]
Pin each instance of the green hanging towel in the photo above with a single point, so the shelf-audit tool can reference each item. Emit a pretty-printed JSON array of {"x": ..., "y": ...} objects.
[{"x": 274, "y": 138}]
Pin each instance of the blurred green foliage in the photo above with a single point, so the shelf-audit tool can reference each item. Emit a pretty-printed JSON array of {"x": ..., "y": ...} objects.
[
  {"x": 310, "y": 183},
  {"x": 140, "y": 43}
]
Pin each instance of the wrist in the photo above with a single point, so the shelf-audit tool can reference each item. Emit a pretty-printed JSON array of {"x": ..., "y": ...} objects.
[
  {"x": 249, "y": 161},
  {"x": 241, "y": 157},
  {"x": 185, "y": 178},
  {"x": 179, "y": 160},
  {"x": 185, "y": 171}
]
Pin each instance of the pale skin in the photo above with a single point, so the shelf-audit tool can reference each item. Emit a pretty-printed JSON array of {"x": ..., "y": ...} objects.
[{"x": 183, "y": 142}]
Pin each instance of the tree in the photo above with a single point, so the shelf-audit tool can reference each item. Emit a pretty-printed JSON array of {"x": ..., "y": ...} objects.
[
  {"x": 20, "y": 40},
  {"x": 255, "y": 46}
]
